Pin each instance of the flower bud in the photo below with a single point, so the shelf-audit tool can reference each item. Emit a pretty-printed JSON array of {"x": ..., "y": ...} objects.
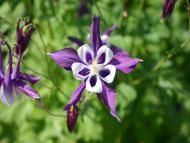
[
  {"x": 72, "y": 114},
  {"x": 23, "y": 35},
  {"x": 82, "y": 9},
  {"x": 168, "y": 6}
]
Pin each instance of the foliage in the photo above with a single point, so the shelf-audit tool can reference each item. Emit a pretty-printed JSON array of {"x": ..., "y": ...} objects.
[{"x": 153, "y": 101}]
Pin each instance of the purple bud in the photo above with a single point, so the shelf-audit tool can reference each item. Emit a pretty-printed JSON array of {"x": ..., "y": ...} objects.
[
  {"x": 23, "y": 35},
  {"x": 72, "y": 114},
  {"x": 82, "y": 9},
  {"x": 168, "y": 6}
]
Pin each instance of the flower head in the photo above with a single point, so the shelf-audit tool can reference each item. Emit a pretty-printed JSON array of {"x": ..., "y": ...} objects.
[
  {"x": 168, "y": 6},
  {"x": 96, "y": 66}
]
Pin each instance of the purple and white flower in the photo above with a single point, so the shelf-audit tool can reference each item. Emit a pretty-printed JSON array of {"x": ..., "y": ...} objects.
[{"x": 96, "y": 66}]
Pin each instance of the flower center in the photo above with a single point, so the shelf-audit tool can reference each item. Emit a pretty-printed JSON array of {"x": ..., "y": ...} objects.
[{"x": 95, "y": 67}]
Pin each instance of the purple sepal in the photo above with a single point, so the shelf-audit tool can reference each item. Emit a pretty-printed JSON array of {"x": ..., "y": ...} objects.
[
  {"x": 23, "y": 87},
  {"x": 75, "y": 97},
  {"x": 110, "y": 29},
  {"x": 1, "y": 81},
  {"x": 76, "y": 40},
  {"x": 1, "y": 60},
  {"x": 167, "y": 9},
  {"x": 124, "y": 63},
  {"x": 108, "y": 98},
  {"x": 7, "y": 78},
  {"x": 16, "y": 70},
  {"x": 95, "y": 39},
  {"x": 29, "y": 78},
  {"x": 116, "y": 50},
  {"x": 65, "y": 57}
]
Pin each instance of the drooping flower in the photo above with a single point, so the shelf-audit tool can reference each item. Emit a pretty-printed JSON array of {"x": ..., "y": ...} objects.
[
  {"x": 6, "y": 89},
  {"x": 14, "y": 80},
  {"x": 167, "y": 9},
  {"x": 96, "y": 66},
  {"x": 72, "y": 114}
]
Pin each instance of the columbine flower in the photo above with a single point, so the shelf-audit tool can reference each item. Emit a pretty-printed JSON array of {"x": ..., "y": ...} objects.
[
  {"x": 14, "y": 79},
  {"x": 168, "y": 6},
  {"x": 96, "y": 66},
  {"x": 72, "y": 114}
]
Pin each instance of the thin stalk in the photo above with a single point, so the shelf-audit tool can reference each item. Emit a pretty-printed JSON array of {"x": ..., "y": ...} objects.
[
  {"x": 47, "y": 63},
  {"x": 100, "y": 13},
  {"x": 43, "y": 106}
]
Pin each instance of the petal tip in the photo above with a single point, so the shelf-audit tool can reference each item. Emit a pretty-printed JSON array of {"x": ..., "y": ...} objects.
[
  {"x": 49, "y": 54},
  {"x": 96, "y": 17},
  {"x": 37, "y": 97},
  {"x": 66, "y": 107}
]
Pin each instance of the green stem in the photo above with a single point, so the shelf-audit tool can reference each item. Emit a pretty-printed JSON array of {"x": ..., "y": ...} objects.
[
  {"x": 100, "y": 13},
  {"x": 47, "y": 64},
  {"x": 43, "y": 106}
]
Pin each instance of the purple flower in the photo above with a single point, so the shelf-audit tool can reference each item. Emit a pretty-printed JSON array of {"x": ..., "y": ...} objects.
[
  {"x": 168, "y": 6},
  {"x": 82, "y": 9},
  {"x": 96, "y": 66},
  {"x": 14, "y": 80},
  {"x": 72, "y": 114}
]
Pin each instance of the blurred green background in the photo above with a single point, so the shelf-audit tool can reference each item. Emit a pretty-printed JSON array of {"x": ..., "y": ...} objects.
[{"x": 153, "y": 101}]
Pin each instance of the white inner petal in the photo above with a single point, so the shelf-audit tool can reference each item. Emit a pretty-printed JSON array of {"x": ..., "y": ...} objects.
[
  {"x": 97, "y": 88},
  {"x": 6, "y": 96},
  {"x": 76, "y": 68},
  {"x": 94, "y": 67},
  {"x": 1, "y": 94},
  {"x": 108, "y": 54},
  {"x": 83, "y": 50},
  {"x": 110, "y": 77},
  {"x": 104, "y": 39}
]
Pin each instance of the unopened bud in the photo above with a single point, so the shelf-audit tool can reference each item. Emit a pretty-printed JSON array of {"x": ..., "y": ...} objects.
[
  {"x": 23, "y": 35},
  {"x": 72, "y": 114},
  {"x": 168, "y": 6}
]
